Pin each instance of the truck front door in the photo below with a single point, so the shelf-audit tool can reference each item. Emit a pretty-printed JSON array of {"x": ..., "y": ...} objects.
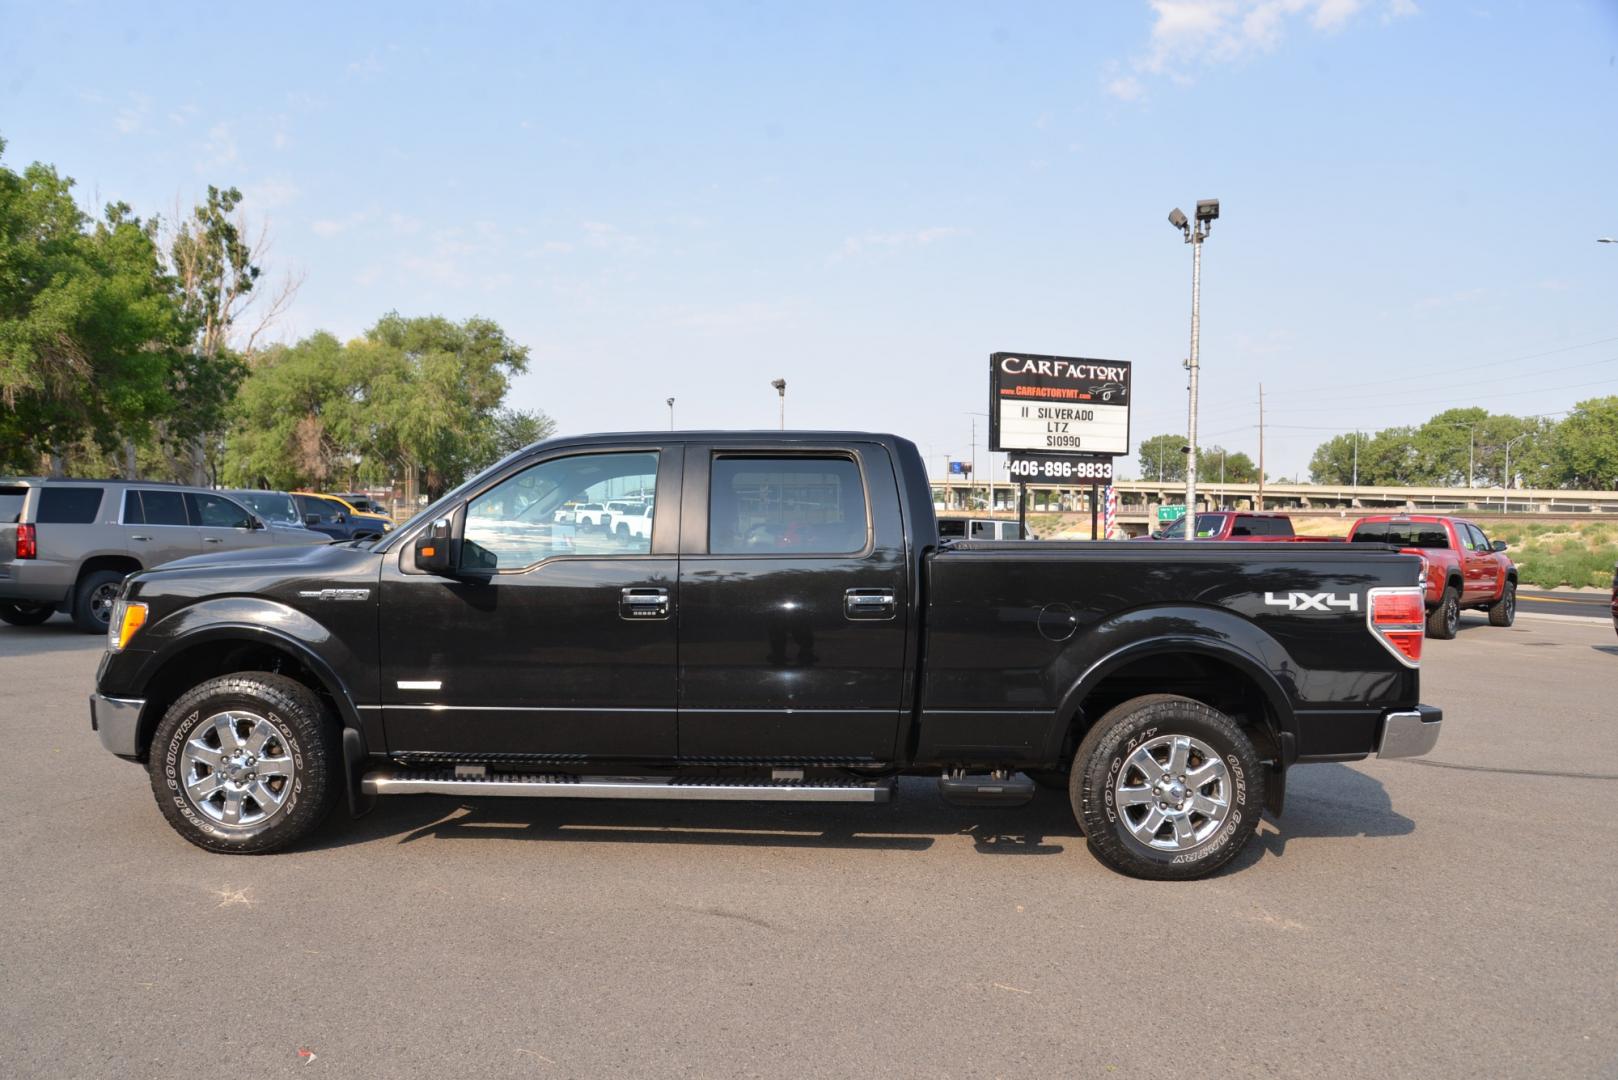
[
  {"x": 794, "y": 603},
  {"x": 550, "y": 639}
]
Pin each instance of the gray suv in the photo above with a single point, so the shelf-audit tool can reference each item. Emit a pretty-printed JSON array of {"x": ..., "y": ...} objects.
[{"x": 66, "y": 545}]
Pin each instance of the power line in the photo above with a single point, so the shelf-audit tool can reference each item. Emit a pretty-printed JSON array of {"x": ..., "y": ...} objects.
[{"x": 1427, "y": 372}]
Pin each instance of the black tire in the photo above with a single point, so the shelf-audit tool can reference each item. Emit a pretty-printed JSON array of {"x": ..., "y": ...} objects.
[
  {"x": 305, "y": 734},
  {"x": 25, "y": 614},
  {"x": 1503, "y": 612},
  {"x": 1103, "y": 761},
  {"x": 93, "y": 600},
  {"x": 1445, "y": 619}
]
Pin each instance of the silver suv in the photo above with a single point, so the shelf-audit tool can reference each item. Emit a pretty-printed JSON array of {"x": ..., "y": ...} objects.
[{"x": 66, "y": 545}]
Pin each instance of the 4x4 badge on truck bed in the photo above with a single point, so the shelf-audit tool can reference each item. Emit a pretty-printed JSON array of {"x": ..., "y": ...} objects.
[
  {"x": 1306, "y": 601},
  {"x": 335, "y": 594}
]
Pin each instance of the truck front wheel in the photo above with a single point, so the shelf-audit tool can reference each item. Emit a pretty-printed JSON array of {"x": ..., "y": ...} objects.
[
  {"x": 1503, "y": 612},
  {"x": 245, "y": 763},
  {"x": 1166, "y": 788}
]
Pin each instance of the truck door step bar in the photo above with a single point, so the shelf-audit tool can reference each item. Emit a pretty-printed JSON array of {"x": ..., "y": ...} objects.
[{"x": 473, "y": 780}]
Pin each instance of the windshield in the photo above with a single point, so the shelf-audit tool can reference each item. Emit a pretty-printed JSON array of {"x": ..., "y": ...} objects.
[
  {"x": 275, "y": 507},
  {"x": 1207, "y": 525}
]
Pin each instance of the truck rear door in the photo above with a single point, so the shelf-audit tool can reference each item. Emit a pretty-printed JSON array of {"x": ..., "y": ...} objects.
[{"x": 793, "y": 602}]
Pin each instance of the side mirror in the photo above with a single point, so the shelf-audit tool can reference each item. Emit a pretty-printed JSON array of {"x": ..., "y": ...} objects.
[
  {"x": 1498, "y": 545},
  {"x": 311, "y": 520},
  {"x": 433, "y": 547},
  {"x": 255, "y": 522},
  {"x": 342, "y": 519}
]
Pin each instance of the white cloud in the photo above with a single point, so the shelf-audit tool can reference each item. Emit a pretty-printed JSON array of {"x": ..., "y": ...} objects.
[
  {"x": 1125, "y": 88},
  {"x": 270, "y": 192},
  {"x": 131, "y": 119},
  {"x": 888, "y": 241},
  {"x": 219, "y": 148},
  {"x": 367, "y": 67},
  {"x": 1188, "y": 35},
  {"x": 337, "y": 226}
]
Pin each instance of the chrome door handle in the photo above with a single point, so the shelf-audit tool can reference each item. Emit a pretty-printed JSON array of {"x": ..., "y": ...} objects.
[
  {"x": 140, "y": 537},
  {"x": 637, "y": 604},
  {"x": 212, "y": 540},
  {"x": 869, "y": 604}
]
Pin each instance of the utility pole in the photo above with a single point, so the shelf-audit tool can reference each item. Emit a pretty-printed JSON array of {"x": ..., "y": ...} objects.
[
  {"x": 1195, "y": 233},
  {"x": 781, "y": 388},
  {"x": 1356, "y": 483},
  {"x": 1505, "y": 487},
  {"x": 1260, "y": 506}
]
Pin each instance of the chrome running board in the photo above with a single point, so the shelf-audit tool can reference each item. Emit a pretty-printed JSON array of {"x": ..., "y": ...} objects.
[{"x": 562, "y": 786}]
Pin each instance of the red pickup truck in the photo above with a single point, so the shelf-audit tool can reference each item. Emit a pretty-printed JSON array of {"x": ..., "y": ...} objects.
[
  {"x": 1463, "y": 568},
  {"x": 1239, "y": 525}
]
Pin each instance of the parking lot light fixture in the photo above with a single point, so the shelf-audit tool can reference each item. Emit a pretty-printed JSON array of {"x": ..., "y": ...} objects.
[
  {"x": 671, "y": 414},
  {"x": 1505, "y": 486},
  {"x": 1195, "y": 234},
  {"x": 781, "y": 388},
  {"x": 1606, "y": 240}
]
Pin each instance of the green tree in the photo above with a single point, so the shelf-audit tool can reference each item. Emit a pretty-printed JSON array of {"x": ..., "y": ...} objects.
[
  {"x": 517, "y": 428},
  {"x": 1235, "y": 466},
  {"x": 89, "y": 326},
  {"x": 1579, "y": 452},
  {"x": 1161, "y": 457},
  {"x": 215, "y": 274},
  {"x": 298, "y": 417},
  {"x": 434, "y": 389}
]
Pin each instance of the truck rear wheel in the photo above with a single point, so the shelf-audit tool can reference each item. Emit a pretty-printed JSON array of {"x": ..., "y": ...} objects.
[
  {"x": 1445, "y": 619},
  {"x": 245, "y": 763},
  {"x": 19, "y": 614},
  {"x": 1166, "y": 788}
]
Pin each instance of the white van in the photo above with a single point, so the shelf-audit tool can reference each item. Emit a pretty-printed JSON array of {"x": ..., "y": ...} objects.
[{"x": 980, "y": 529}]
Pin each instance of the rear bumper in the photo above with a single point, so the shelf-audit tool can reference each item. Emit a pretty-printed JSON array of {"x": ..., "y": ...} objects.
[
  {"x": 117, "y": 722},
  {"x": 1412, "y": 733}
]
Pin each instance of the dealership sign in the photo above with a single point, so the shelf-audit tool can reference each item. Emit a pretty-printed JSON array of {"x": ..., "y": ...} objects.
[{"x": 1058, "y": 404}]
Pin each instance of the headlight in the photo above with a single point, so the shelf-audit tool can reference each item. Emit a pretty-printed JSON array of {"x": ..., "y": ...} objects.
[{"x": 127, "y": 617}]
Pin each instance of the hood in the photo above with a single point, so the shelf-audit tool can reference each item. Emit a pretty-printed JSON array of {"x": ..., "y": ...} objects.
[{"x": 297, "y": 559}]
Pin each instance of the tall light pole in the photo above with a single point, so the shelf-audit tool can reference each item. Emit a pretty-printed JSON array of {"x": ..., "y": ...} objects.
[
  {"x": 671, "y": 414},
  {"x": 1195, "y": 233},
  {"x": 1505, "y": 487},
  {"x": 781, "y": 388}
]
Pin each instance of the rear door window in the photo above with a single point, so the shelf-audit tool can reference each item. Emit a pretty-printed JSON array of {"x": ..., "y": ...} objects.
[
  {"x": 11, "y": 497},
  {"x": 218, "y": 512},
  {"x": 787, "y": 505},
  {"x": 983, "y": 530},
  {"x": 162, "y": 507},
  {"x": 69, "y": 505}
]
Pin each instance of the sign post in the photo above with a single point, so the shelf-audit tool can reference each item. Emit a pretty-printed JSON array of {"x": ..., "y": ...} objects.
[{"x": 1061, "y": 419}]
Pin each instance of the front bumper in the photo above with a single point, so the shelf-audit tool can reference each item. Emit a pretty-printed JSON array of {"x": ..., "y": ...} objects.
[
  {"x": 1410, "y": 733},
  {"x": 117, "y": 722}
]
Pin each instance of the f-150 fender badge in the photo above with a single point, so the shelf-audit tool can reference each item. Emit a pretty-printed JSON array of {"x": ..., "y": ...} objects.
[
  {"x": 1312, "y": 601},
  {"x": 335, "y": 594}
]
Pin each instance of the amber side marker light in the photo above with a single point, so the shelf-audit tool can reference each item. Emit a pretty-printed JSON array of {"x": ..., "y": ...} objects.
[
  {"x": 428, "y": 552},
  {"x": 1398, "y": 618},
  {"x": 127, "y": 617}
]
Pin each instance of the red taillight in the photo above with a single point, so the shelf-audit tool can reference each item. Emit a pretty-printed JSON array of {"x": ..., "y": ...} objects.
[
  {"x": 27, "y": 547},
  {"x": 1398, "y": 617}
]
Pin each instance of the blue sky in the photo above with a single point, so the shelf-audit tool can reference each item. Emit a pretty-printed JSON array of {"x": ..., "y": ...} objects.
[{"x": 691, "y": 200}]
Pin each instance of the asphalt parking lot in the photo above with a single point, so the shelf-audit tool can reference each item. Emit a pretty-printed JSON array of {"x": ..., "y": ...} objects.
[{"x": 1449, "y": 917}]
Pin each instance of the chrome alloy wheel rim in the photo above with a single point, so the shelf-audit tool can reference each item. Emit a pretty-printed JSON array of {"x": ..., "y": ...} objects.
[
  {"x": 1173, "y": 792},
  {"x": 237, "y": 769}
]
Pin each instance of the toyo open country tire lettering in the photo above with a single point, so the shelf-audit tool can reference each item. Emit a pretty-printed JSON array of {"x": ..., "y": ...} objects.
[
  {"x": 245, "y": 763},
  {"x": 1503, "y": 612},
  {"x": 1445, "y": 619},
  {"x": 1166, "y": 788}
]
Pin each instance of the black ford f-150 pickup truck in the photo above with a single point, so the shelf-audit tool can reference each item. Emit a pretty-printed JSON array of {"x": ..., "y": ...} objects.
[{"x": 789, "y": 628}]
